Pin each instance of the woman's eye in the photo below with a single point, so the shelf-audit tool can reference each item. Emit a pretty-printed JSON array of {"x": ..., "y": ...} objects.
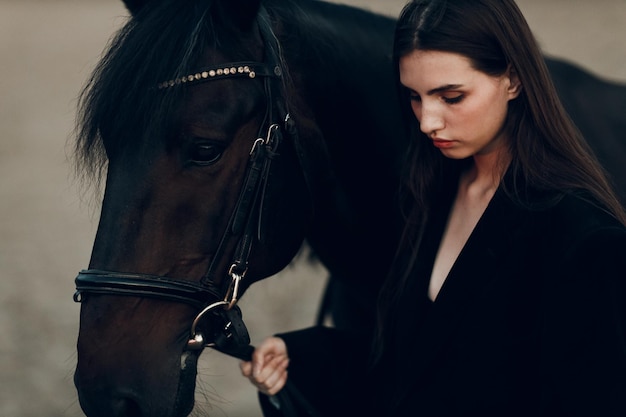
[
  {"x": 454, "y": 99},
  {"x": 205, "y": 153},
  {"x": 415, "y": 97}
]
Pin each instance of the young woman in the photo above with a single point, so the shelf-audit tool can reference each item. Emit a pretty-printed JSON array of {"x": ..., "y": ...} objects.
[{"x": 508, "y": 294}]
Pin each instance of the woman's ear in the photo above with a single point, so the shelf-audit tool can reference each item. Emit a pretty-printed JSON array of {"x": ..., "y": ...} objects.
[{"x": 515, "y": 85}]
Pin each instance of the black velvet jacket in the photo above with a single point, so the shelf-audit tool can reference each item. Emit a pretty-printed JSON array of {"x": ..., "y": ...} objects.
[{"x": 531, "y": 321}]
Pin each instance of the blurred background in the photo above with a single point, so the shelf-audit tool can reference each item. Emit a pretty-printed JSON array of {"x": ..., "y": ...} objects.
[{"x": 47, "y": 50}]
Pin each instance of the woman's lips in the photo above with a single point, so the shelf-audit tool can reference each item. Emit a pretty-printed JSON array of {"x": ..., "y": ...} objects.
[{"x": 442, "y": 144}]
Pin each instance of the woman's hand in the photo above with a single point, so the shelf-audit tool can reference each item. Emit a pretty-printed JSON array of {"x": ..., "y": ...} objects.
[{"x": 268, "y": 369}]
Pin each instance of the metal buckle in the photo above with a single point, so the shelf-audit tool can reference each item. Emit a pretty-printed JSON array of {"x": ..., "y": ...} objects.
[
  {"x": 268, "y": 138},
  {"x": 232, "y": 294},
  {"x": 270, "y": 131},
  {"x": 196, "y": 341},
  {"x": 258, "y": 142}
]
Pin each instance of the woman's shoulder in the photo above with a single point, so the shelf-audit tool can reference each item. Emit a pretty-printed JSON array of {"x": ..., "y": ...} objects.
[
  {"x": 581, "y": 212},
  {"x": 578, "y": 221},
  {"x": 584, "y": 242}
]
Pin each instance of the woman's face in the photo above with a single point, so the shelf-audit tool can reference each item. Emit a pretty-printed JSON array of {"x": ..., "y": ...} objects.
[{"x": 461, "y": 109}]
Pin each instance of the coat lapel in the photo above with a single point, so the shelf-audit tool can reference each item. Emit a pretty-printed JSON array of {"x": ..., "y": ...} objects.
[{"x": 474, "y": 269}]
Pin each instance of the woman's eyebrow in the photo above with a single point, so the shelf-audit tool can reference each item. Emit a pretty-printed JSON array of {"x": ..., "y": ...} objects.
[{"x": 443, "y": 88}]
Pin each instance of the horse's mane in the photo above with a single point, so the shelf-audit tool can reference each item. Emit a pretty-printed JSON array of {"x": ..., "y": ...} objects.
[{"x": 330, "y": 35}]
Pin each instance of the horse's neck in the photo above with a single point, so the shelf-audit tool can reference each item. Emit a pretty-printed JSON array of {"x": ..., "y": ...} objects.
[
  {"x": 341, "y": 64},
  {"x": 342, "y": 59},
  {"x": 344, "y": 52}
]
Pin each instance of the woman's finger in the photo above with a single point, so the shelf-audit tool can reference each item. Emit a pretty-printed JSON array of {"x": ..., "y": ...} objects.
[
  {"x": 278, "y": 385},
  {"x": 274, "y": 381},
  {"x": 268, "y": 368},
  {"x": 246, "y": 368},
  {"x": 272, "y": 365}
]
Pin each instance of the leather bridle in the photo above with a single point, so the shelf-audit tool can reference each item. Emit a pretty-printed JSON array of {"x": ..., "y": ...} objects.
[{"x": 217, "y": 298}]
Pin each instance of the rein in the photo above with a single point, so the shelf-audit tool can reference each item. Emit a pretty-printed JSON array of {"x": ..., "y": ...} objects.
[{"x": 217, "y": 299}]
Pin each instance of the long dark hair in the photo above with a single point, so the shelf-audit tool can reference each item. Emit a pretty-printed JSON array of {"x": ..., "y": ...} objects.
[{"x": 548, "y": 153}]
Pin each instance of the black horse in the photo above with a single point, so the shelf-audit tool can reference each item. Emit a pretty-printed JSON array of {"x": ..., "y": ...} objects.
[{"x": 230, "y": 132}]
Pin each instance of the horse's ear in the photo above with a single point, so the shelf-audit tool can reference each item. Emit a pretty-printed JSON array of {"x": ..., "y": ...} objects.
[
  {"x": 134, "y": 6},
  {"x": 241, "y": 13}
]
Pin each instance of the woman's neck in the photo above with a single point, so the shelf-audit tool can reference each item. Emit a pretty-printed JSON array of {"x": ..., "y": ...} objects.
[{"x": 484, "y": 175}]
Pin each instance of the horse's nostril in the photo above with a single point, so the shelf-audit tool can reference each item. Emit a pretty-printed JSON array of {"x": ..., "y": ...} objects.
[{"x": 98, "y": 404}]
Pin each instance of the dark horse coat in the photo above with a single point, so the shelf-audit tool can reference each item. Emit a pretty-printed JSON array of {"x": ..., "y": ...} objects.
[{"x": 531, "y": 321}]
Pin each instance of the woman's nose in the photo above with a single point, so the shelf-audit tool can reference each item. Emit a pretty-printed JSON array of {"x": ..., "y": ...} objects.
[{"x": 430, "y": 120}]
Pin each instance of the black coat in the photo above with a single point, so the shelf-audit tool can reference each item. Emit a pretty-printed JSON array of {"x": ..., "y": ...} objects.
[{"x": 531, "y": 321}]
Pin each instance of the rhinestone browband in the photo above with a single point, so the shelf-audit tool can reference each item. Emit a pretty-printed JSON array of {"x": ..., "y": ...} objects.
[
  {"x": 208, "y": 74},
  {"x": 235, "y": 69}
]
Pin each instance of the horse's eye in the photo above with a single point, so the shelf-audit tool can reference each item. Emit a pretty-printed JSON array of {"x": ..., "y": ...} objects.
[{"x": 205, "y": 153}]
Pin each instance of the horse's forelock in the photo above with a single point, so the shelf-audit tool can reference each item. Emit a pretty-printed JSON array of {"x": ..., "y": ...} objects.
[{"x": 120, "y": 104}]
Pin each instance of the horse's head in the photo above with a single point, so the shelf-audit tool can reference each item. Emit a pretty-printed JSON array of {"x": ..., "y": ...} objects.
[{"x": 188, "y": 115}]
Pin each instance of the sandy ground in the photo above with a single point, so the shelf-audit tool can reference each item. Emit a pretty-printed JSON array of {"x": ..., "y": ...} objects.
[{"x": 47, "y": 49}]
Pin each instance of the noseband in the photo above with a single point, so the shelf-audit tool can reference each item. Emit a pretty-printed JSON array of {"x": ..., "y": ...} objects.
[{"x": 217, "y": 298}]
